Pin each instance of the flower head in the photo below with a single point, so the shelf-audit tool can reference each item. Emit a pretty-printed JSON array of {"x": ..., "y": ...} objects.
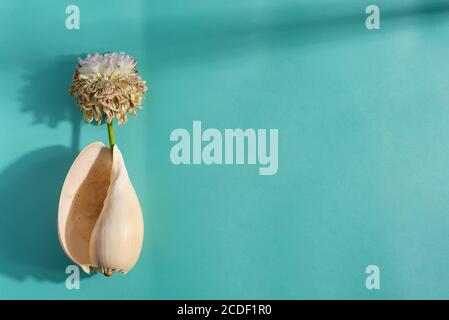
[{"x": 108, "y": 84}]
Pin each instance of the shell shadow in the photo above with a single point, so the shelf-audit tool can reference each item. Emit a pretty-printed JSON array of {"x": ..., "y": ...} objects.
[
  {"x": 30, "y": 187},
  {"x": 29, "y": 195}
]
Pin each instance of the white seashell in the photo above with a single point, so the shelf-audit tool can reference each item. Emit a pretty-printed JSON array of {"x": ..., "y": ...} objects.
[{"x": 100, "y": 224}]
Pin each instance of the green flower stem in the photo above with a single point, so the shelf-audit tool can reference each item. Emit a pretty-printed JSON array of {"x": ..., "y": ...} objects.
[{"x": 111, "y": 135}]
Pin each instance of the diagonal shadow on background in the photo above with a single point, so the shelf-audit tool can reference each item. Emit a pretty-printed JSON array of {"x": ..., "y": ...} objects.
[{"x": 198, "y": 38}]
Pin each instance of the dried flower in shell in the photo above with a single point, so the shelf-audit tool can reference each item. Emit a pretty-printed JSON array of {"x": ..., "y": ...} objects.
[{"x": 108, "y": 85}]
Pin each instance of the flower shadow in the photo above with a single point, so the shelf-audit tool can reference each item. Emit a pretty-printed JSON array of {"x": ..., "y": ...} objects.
[{"x": 45, "y": 94}]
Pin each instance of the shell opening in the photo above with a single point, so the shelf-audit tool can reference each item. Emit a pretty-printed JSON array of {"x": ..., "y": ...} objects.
[{"x": 86, "y": 207}]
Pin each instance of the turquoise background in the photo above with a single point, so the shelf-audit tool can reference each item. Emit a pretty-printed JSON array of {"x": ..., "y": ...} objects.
[{"x": 363, "y": 119}]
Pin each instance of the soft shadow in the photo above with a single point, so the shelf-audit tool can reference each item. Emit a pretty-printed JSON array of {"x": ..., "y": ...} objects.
[
  {"x": 29, "y": 195},
  {"x": 30, "y": 187},
  {"x": 46, "y": 94}
]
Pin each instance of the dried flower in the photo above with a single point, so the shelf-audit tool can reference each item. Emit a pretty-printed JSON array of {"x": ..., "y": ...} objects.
[{"x": 108, "y": 84}]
